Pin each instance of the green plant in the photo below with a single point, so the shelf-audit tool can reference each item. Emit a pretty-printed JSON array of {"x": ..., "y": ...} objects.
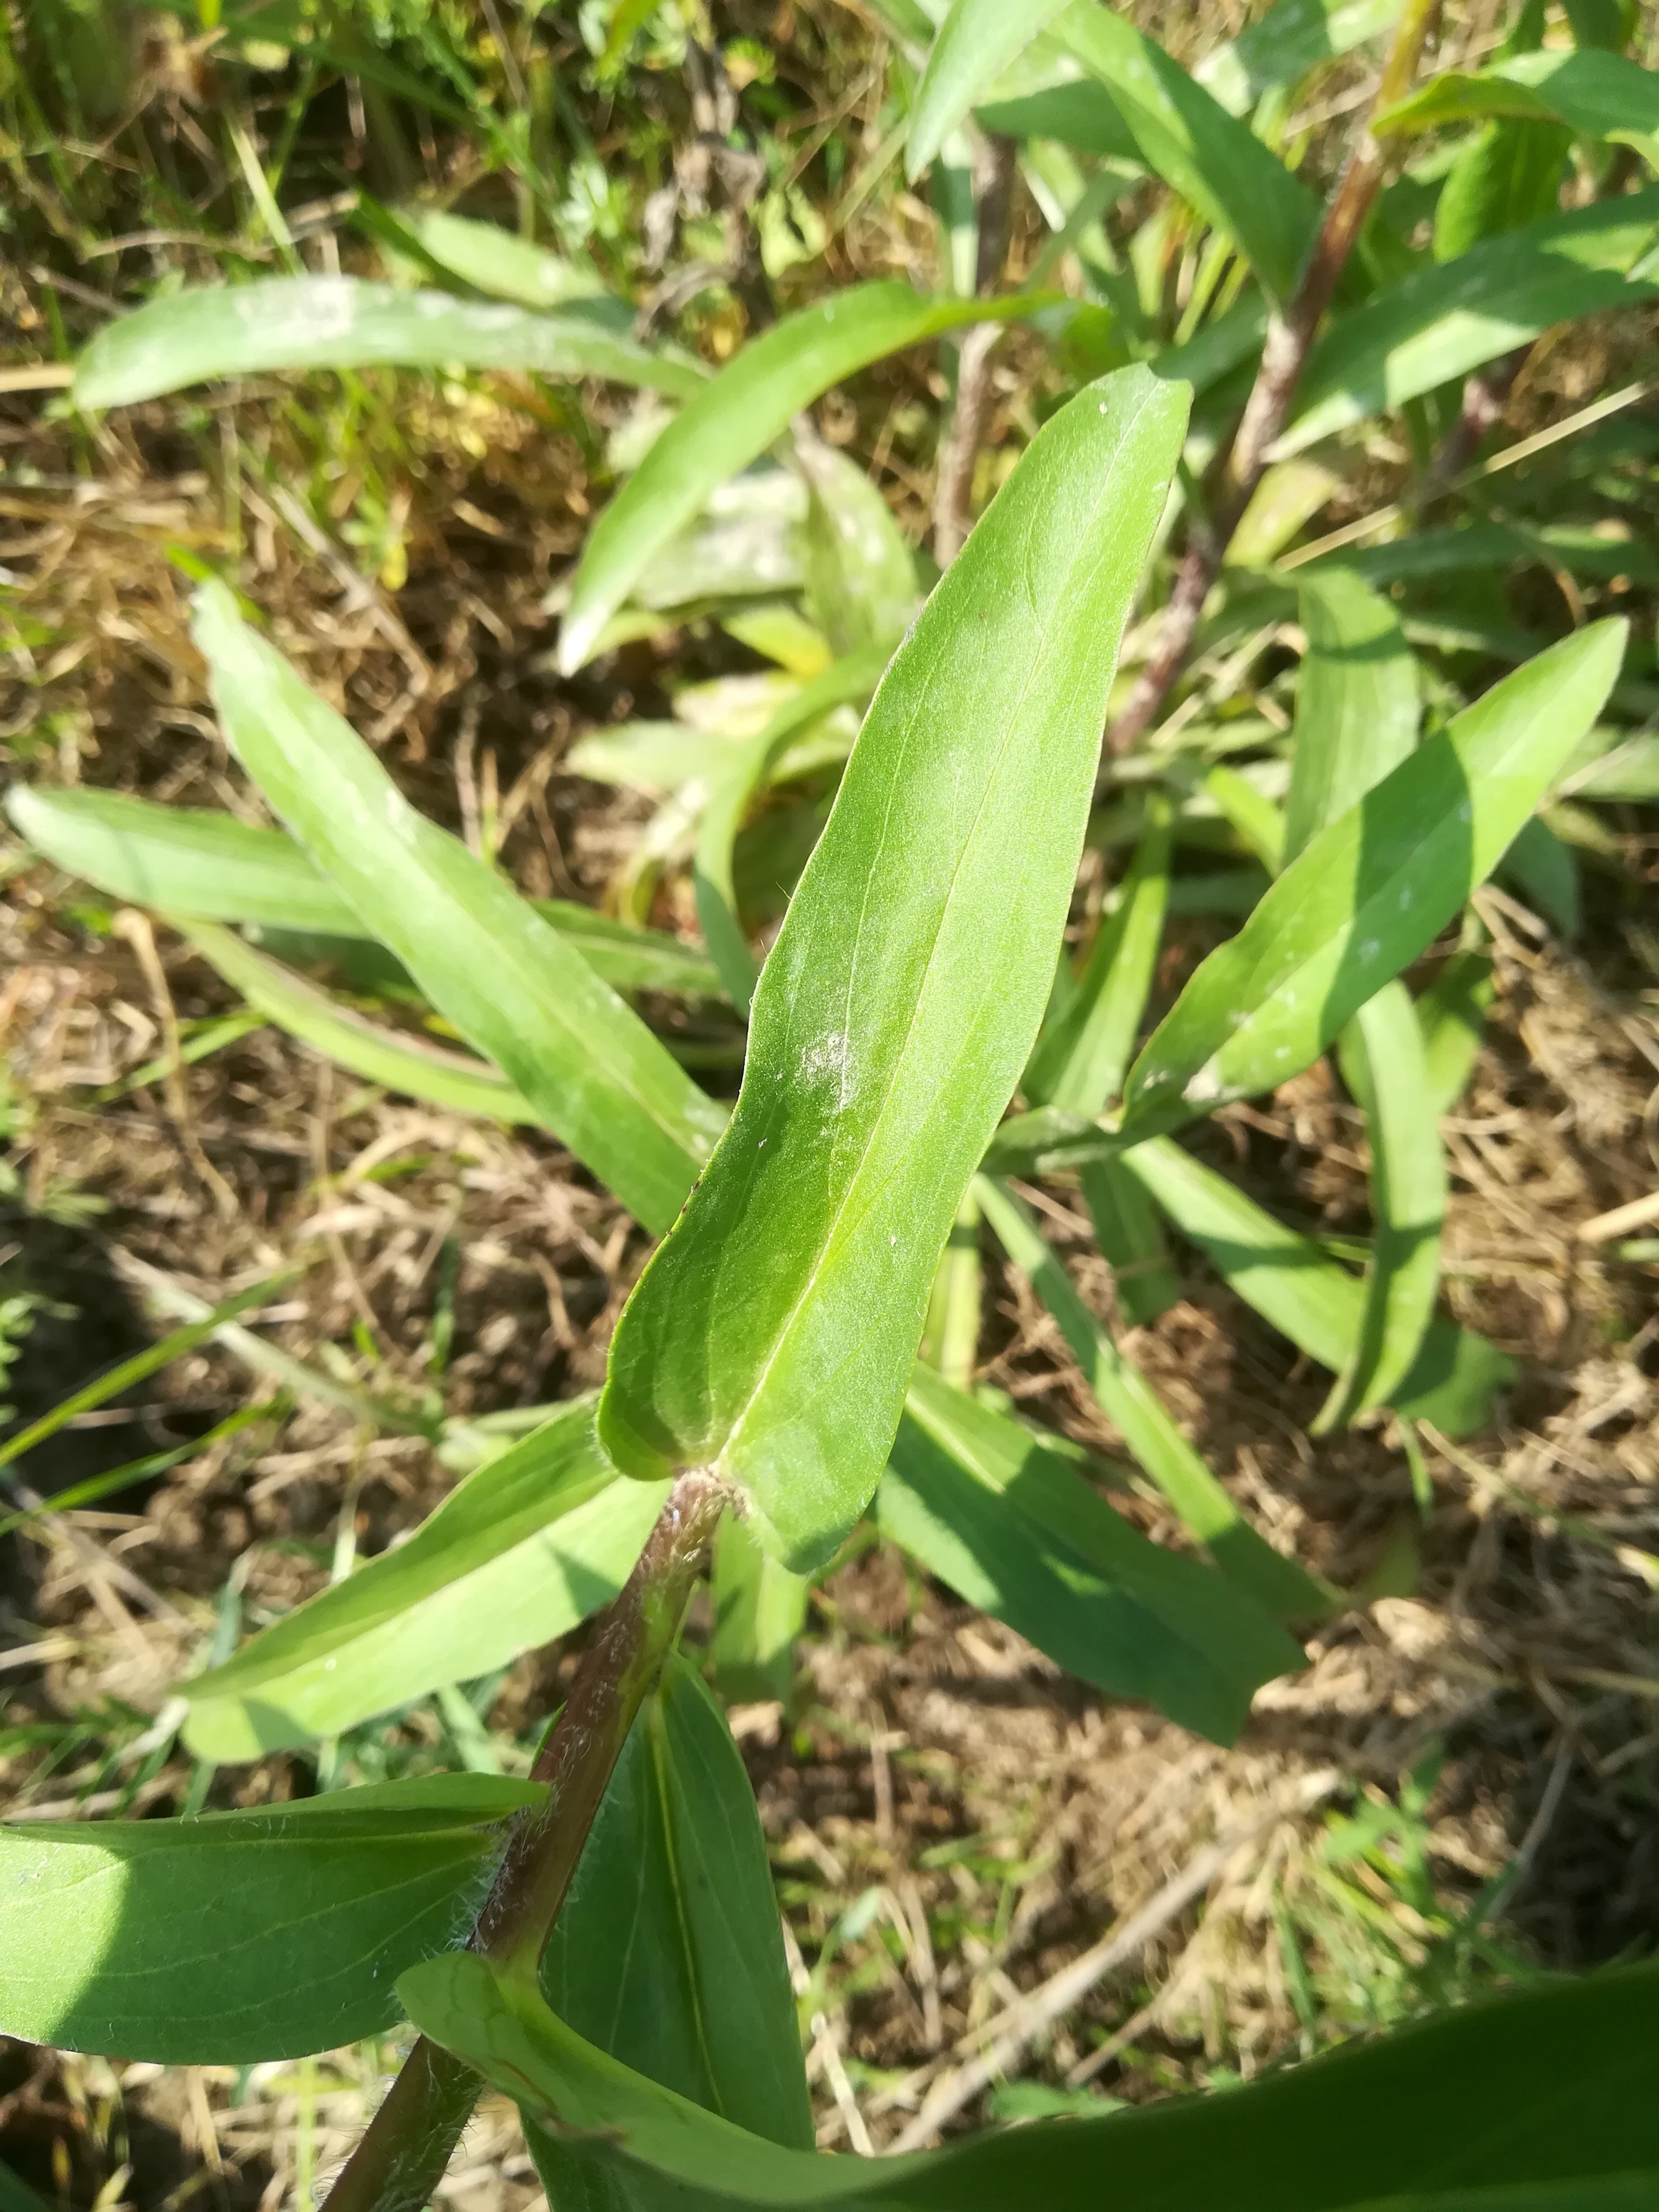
[{"x": 763, "y": 1390}]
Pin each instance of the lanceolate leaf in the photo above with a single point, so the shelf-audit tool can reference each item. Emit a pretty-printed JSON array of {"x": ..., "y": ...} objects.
[
  {"x": 513, "y": 268},
  {"x": 1441, "y": 323},
  {"x": 735, "y": 417},
  {"x": 1355, "y": 706},
  {"x": 238, "y": 1936},
  {"x": 1208, "y": 156},
  {"x": 854, "y": 677},
  {"x": 667, "y": 1953},
  {"x": 482, "y": 956},
  {"x": 516, "y": 1555},
  {"x": 1135, "y": 1409},
  {"x": 773, "y": 1334},
  {"x": 405, "y": 1063},
  {"x": 1545, "y": 2092},
  {"x": 975, "y": 43},
  {"x": 1312, "y": 1298},
  {"x": 1383, "y": 1061},
  {"x": 343, "y": 322},
  {"x": 1596, "y": 95},
  {"x": 195, "y": 861},
  {"x": 1017, "y": 1531},
  {"x": 1372, "y": 891}
]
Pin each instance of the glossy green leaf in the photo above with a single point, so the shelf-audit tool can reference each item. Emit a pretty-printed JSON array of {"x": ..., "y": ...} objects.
[
  {"x": 481, "y": 955},
  {"x": 1135, "y": 1409},
  {"x": 1442, "y": 322},
  {"x": 344, "y": 322},
  {"x": 1372, "y": 891},
  {"x": 1452, "y": 1015},
  {"x": 239, "y": 1936},
  {"x": 1546, "y": 2088},
  {"x": 974, "y": 45},
  {"x": 714, "y": 870},
  {"x": 1213, "y": 161},
  {"x": 1385, "y": 1065},
  {"x": 1309, "y": 1296},
  {"x": 1014, "y": 1529},
  {"x": 1293, "y": 37},
  {"x": 516, "y": 1555},
  {"x": 772, "y": 1335},
  {"x": 760, "y": 1609},
  {"x": 1357, "y": 705},
  {"x": 196, "y": 861},
  {"x": 1079, "y": 1063},
  {"x": 1595, "y": 93},
  {"x": 860, "y": 574},
  {"x": 668, "y": 1952},
  {"x": 403, "y": 1063},
  {"x": 737, "y": 417}
]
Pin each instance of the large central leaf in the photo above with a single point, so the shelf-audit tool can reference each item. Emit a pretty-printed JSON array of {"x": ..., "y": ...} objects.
[{"x": 773, "y": 1333}]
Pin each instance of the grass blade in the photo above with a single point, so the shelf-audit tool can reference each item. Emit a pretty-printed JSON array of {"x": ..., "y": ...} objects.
[
  {"x": 1160, "y": 1447},
  {"x": 346, "y": 322},
  {"x": 975, "y": 44},
  {"x": 1385, "y": 1063},
  {"x": 1372, "y": 891},
  {"x": 734, "y": 419},
  {"x": 772, "y": 1335},
  {"x": 482, "y": 956},
  {"x": 1131, "y": 1240}
]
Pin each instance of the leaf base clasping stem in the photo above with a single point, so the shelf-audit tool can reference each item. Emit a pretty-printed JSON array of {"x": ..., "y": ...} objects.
[{"x": 406, "y": 2146}]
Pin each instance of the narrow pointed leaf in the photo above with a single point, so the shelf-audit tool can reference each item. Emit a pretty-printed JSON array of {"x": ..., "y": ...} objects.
[
  {"x": 1307, "y": 1296},
  {"x": 1439, "y": 323},
  {"x": 482, "y": 956},
  {"x": 1371, "y": 891},
  {"x": 1385, "y": 1063},
  {"x": 512, "y": 268},
  {"x": 735, "y": 418},
  {"x": 1139, "y": 1413},
  {"x": 1131, "y": 1240},
  {"x": 1543, "y": 2091},
  {"x": 1079, "y": 1063},
  {"x": 1017, "y": 1531},
  {"x": 1357, "y": 703},
  {"x": 713, "y": 869},
  {"x": 516, "y": 1555},
  {"x": 667, "y": 1953},
  {"x": 196, "y": 861},
  {"x": 237, "y": 1936},
  {"x": 772, "y": 1335},
  {"x": 1213, "y": 161},
  {"x": 401, "y": 1062},
  {"x": 345, "y": 322},
  {"x": 1596, "y": 93},
  {"x": 975, "y": 44}
]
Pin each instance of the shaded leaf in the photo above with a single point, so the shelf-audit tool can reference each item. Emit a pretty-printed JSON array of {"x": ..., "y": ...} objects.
[
  {"x": 1356, "y": 702},
  {"x": 772, "y": 1335},
  {"x": 972, "y": 47},
  {"x": 1293, "y": 37},
  {"x": 760, "y": 1609},
  {"x": 1452, "y": 1015},
  {"x": 345, "y": 322},
  {"x": 1014, "y": 1529},
  {"x": 1596, "y": 94},
  {"x": 860, "y": 574}
]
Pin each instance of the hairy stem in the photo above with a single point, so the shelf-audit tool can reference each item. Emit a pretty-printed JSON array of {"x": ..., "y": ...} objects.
[
  {"x": 953, "y": 504},
  {"x": 407, "y": 2145},
  {"x": 1291, "y": 331}
]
